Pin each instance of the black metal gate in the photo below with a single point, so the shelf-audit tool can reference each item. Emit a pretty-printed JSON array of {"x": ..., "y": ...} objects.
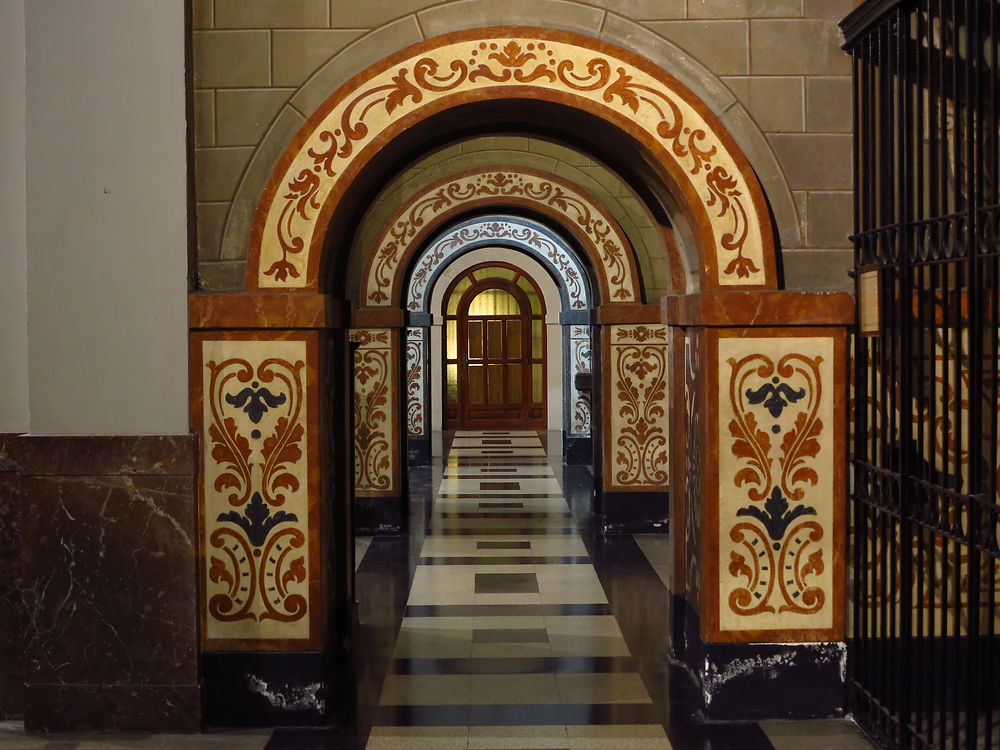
[{"x": 923, "y": 652}]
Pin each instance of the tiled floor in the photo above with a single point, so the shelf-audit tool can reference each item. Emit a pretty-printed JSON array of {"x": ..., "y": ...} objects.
[{"x": 502, "y": 621}]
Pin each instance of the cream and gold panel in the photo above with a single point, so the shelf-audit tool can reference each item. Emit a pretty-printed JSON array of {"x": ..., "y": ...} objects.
[
  {"x": 775, "y": 517},
  {"x": 376, "y": 412},
  {"x": 256, "y": 405},
  {"x": 636, "y": 410}
]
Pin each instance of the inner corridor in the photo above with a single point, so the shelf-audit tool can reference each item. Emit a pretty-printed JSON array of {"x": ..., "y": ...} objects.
[{"x": 503, "y": 621}]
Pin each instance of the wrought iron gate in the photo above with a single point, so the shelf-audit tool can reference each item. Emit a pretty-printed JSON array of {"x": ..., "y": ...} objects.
[{"x": 923, "y": 656}]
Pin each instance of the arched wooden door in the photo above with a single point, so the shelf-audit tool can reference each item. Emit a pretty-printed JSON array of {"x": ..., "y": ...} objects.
[{"x": 494, "y": 351}]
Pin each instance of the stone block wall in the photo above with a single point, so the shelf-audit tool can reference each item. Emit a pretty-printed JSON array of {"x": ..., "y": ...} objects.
[{"x": 774, "y": 68}]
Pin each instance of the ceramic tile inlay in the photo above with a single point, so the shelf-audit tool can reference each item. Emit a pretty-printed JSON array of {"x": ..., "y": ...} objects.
[
  {"x": 256, "y": 490},
  {"x": 535, "y": 238},
  {"x": 776, "y": 463},
  {"x": 415, "y": 381},
  {"x": 375, "y": 448},
  {"x": 637, "y": 407},
  {"x": 579, "y": 337},
  {"x": 546, "y": 65}
]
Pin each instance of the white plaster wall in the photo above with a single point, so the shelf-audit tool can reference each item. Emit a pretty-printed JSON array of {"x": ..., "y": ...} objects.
[
  {"x": 13, "y": 248},
  {"x": 106, "y": 218}
]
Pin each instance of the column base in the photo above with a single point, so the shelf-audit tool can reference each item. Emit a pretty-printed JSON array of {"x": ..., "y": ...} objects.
[
  {"x": 375, "y": 516},
  {"x": 265, "y": 689},
  {"x": 579, "y": 451},
  {"x": 418, "y": 450},
  {"x": 757, "y": 681},
  {"x": 633, "y": 512}
]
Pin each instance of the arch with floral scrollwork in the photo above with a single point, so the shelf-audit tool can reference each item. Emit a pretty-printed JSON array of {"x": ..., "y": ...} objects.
[
  {"x": 608, "y": 250},
  {"x": 680, "y": 138}
]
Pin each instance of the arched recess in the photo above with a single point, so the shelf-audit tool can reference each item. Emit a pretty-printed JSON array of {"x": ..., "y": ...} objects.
[
  {"x": 598, "y": 234},
  {"x": 566, "y": 288},
  {"x": 676, "y": 135}
]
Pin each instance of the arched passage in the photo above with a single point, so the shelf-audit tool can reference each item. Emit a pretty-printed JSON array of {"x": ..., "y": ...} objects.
[
  {"x": 625, "y": 108},
  {"x": 681, "y": 141}
]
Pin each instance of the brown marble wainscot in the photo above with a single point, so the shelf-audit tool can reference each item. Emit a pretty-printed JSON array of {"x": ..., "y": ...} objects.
[
  {"x": 12, "y": 622},
  {"x": 108, "y": 556}
]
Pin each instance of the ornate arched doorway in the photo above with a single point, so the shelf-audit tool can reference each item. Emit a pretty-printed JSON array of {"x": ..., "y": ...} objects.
[{"x": 494, "y": 354}]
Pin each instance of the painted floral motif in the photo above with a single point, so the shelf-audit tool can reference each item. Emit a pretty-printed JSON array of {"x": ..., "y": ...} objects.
[
  {"x": 618, "y": 265},
  {"x": 777, "y": 556},
  {"x": 256, "y": 557},
  {"x": 374, "y": 441},
  {"x": 639, "y": 429},
  {"x": 357, "y": 118}
]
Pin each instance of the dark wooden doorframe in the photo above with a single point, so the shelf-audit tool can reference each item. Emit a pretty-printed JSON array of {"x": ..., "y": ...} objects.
[{"x": 506, "y": 400}]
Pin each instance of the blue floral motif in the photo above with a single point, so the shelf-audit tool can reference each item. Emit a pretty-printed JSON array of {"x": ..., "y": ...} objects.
[
  {"x": 776, "y": 517},
  {"x": 255, "y": 401},
  {"x": 257, "y": 520},
  {"x": 775, "y": 396}
]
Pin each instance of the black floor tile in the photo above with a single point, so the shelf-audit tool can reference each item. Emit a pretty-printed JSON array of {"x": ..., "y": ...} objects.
[{"x": 506, "y": 583}]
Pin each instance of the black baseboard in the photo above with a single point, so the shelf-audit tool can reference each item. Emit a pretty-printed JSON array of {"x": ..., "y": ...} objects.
[
  {"x": 375, "y": 516},
  {"x": 266, "y": 689},
  {"x": 418, "y": 451},
  {"x": 633, "y": 512},
  {"x": 578, "y": 451},
  {"x": 757, "y": 681}
]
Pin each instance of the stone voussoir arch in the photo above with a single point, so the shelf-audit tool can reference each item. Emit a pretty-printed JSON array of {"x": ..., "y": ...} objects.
[
  {"x": 691, "y": 149},
  {"x": 609, "y": 251}
]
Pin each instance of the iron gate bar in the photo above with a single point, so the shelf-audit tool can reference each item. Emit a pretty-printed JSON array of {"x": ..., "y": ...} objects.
[{"x": 923, "y": 666}]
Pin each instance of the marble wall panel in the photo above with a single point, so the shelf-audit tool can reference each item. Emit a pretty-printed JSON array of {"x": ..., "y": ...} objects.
[
  {"x": 376, "y": 434},
  {"x": 257, "y": 406},
  {"x": 636, "y": 409},
  {"x": 776, "y": 515},
  {"x": 108, "y": 555},
  {"x": 12, "y": 622}
]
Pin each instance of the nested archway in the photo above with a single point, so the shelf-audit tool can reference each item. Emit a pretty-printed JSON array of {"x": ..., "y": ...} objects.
[
  {"x": 675, "y": 134},
  {"x": 573, "y": 209}
]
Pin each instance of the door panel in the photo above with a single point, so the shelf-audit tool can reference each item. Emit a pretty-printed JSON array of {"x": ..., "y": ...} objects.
[{"x": 494, "y": 352}]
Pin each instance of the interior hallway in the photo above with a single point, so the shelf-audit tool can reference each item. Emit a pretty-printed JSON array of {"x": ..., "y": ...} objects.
[{"x": 504, "y": 621}]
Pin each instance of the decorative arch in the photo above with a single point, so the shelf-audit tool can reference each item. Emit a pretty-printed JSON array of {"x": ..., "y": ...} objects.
[
  {"x": 553, "y": 257},
  {"x": 609, "y": 251},
  {"x": 517, "y": 232},
  {"x": 686, "y": 143}
]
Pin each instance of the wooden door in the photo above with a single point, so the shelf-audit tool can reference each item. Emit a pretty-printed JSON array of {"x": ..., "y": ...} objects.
[{"x": 495, "y": 353}]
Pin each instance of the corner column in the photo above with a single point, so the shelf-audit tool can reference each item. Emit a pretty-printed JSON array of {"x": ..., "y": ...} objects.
[
  {"x": 262, "y": 381},
  {"x": 631, "y": 461},
  {"x": 759, "y": 593}
]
